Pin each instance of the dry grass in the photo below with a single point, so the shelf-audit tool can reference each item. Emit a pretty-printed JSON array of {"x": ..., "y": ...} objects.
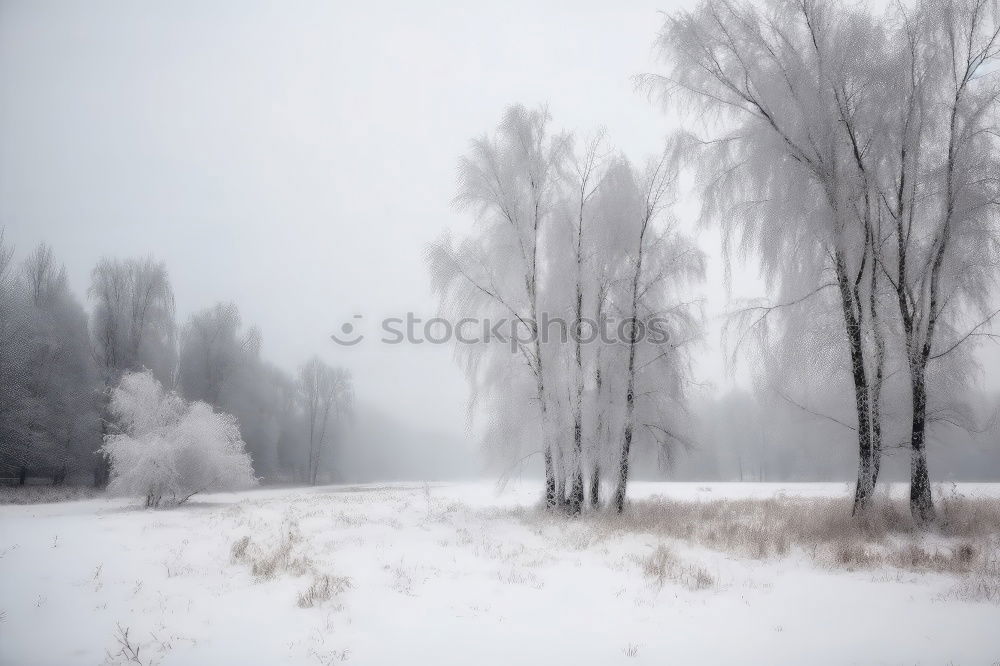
[
  {"x": 965, "y": 541},
  {"x": 983, "y": 580},
  {"x": 31, "y": 494},
  {"x": 663, "y": 565},
  {"x": 322, "y": 589},
  {"x": 283, "y": 555},
  {"x": 267, "y": 560},
  {"x": 824, "y": 527},
  {"x": 238, "y": 552}
]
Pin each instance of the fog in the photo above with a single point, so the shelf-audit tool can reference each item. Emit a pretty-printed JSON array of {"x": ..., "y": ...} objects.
[
  {"x": 297, "y": 159},
  {"x": 432, "y": 332}
]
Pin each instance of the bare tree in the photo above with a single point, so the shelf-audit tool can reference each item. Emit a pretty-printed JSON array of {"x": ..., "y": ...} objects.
[
  {"x": 326, "y": 395},
  {"x": 133, "y": 318},
  {"x": 211, "y": 349}
]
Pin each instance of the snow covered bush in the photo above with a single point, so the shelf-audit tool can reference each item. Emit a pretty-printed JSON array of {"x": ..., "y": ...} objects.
[{"x": 169, "y": 450}]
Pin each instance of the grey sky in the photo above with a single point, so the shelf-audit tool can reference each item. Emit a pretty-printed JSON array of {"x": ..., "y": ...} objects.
[{"x": 296, "y": 157}]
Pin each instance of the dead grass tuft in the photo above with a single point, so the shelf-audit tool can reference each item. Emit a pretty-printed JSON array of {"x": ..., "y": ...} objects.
[
  {"x": 266, "y": 561},
  {"x": 322, "y": 589},
  {"x": 238, "y": 552},
  {"x": 663, "y": 565}
]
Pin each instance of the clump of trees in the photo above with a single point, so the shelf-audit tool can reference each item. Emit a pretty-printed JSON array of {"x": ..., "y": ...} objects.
[
  {"x": 49, "y": 409},
  {"x": 60, "y": 367},
  {"x": 856, "y": 156},
  {"x": 576, "y": 254},
  {"x": 168, "y": 449}
]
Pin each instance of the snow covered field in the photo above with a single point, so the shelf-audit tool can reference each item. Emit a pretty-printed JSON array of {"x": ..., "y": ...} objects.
[{"x": 457, "y": 574}]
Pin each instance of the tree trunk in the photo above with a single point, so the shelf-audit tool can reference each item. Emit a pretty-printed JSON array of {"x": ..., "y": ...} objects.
[
  {"x": 102, "y": 469},
  {"x": 623, "y": 466},
  {"x": 550, "y": 480},
  {"x": 863, "y": 488},
  {"x": 560, "y": 463},
  {"x": 575, "y": 500},
  {"x": 876, "y": 388},
  {"x": 921, "y": 502},
  {"x": 576, "y": 492},
  {"x": 595, "y": 486},
  {"x": 599, "y": 441},
  {"x": 623, "y": 463}
]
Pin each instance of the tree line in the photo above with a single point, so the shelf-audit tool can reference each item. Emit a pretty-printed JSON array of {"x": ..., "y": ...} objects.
[
  {"x": 852, "y": 154},
  {"x": 59, "y": 366}
]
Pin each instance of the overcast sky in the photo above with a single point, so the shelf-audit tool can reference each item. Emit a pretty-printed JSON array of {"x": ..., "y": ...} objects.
[{"x": 297, "y": 157}]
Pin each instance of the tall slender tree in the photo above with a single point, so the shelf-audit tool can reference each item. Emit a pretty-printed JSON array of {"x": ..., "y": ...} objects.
[{"x": 511, "y": 181}]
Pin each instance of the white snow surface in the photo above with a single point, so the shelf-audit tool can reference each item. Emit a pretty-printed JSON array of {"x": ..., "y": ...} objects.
[{"x": 445, "y": 574}]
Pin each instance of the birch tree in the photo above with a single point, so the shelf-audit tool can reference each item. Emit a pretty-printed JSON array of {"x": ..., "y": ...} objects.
[
  {"x": 510, "y": 180},
  {"x": 896, "y": 137},
  {"x": 576, "y": 252},
  {"x": 659, "y": 264},
  {"x": 781, "y": 175},
  {"x": 936, "y": 174}
]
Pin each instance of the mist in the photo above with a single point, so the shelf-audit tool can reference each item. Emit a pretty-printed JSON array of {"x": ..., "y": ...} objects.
[{"x": 435, "y": 333}]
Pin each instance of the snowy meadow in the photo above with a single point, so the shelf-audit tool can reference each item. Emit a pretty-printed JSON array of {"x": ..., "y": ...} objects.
[
  {"x": 459, "y": 574},
  {"x": 659, "y": 332}
]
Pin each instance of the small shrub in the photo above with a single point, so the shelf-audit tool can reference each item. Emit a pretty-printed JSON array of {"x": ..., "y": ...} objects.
[{"x": 169, "y": 449}]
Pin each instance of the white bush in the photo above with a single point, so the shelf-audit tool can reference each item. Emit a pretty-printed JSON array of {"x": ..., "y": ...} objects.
[{"x": 169, "y": 449}]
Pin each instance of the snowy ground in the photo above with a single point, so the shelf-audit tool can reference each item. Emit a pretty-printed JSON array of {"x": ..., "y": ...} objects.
[{"x": 455, "y": 574}]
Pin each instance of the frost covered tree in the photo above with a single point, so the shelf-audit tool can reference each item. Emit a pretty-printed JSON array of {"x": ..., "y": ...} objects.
[
  {"x": 562, "y": 245},
  {"x": 15, "y": 434},
  {"x": 510, "y": 180},
  {"x": 658, "y": 317},
  {"x": 168, "y": 449},
  {"x": 48, "y": 382},
  {"x": 864, "y": 179},
  {"x": 935, "y": 168},
  {"x": 62, "y": 380},
  {"x": 781, "y": 176},
  {"x": 585, "y": 179}
]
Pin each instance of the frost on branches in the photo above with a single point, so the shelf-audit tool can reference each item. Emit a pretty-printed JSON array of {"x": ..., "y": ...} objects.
[{"x": 169, "y": 450}]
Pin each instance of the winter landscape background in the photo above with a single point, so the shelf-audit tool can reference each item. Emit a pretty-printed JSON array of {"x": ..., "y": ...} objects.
[{"x": 732, "y": 273}]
